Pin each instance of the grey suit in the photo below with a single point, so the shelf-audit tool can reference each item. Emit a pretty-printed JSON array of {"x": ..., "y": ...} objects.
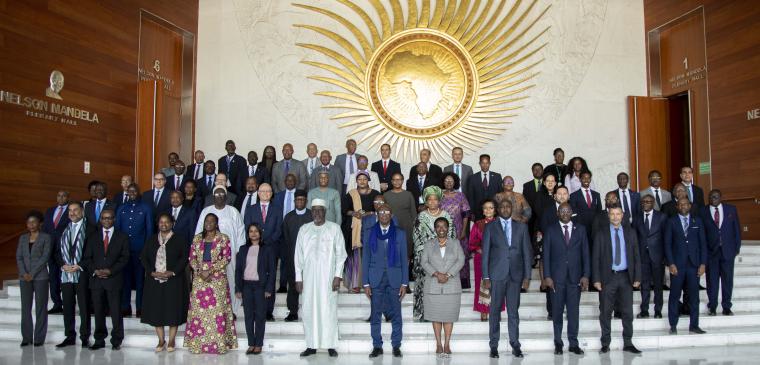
[
  {"x": 465, "y": 173},
  {"x": 34, "y": 261},
  {"x": 340, "y": 163},
  {"x": 334, "y": 174},
  {"x": 296, "y": 168},
  {"x": 664, "y": 196},
  {"x": 506, "y": 265},
  {"x": 442, "y": 300},
  {"x": 306, "y": 164}
]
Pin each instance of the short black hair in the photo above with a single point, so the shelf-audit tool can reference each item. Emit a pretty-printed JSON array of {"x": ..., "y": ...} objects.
[
  {"x": 165, "y": 214},
  {"x": 441, "y": 219},
  {"x": 35, "y": 214},
  {"x": 654, "y": 172},
  {"x": 557, "y": 150},
  {"x": 454, "y": 176},
  {"x": 485, "y": 155},
  {"x": 536, "y": 164}
]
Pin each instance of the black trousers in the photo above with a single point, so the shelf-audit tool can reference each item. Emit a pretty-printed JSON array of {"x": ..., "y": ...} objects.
[
  {"x": 617, "y": 294},
  {"x": 720, "y": 275},
  {"x": 55, "y": 282},
  {"x": 255, "y": 312},
  {"x": 566, "y": 295},
  {"x": 652, "y": 274},
  {"x": 101, "y": 300},
  {"x": 292, "y": 300},
  {"x": 76, "y": 295}
]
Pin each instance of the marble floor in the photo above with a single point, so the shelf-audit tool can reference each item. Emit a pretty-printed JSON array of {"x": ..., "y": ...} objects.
[{"x": 11, "y": 354}]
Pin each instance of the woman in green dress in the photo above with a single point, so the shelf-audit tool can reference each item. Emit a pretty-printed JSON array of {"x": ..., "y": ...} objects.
[{"x": 424, "y": 232}]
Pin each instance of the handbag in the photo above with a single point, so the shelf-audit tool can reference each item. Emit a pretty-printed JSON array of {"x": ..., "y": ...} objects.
[{"x": 484, "y": 296}]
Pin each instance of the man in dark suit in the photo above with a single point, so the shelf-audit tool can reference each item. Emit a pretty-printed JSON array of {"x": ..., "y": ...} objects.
[
  {"x": 507, "y": 259},
  {"x": 185, "y": 218},
  {"x": 481, "y": 186},
  {"x": 249, "y": 197},
  {"x": 533, "y": 187},
  {"x": 615, "y": 272},
  {"x": 292, "y": 222},
  {"x": 629, "y": 200},
  {"x": 602, "y": 219},
  {"x": 385, "y": 167},
  {"x": 462, "y": 170},
  {"x": 723, "y": 243},
  {"x": 177, "y": 181},
  {"x": 254, "y": 170},
  {"x": 385, "y": 277},
  {"x": 221, "y": 180},
  {"x": 586, "y": 203},
  {"x": 567, "y": 269},
  {"x": 196, "y": 170},
  {"x": 695, "y": 193},
  {"x": 686, "y": 256},
  {"x": 433, "y": 171},
  {"x": 158, "y": 197},
  {"x": 650, "y": 227},
  {"x": 206, "y": 183},
  {"x": 121, "y": 197},
  {"x": 417, "y": 184},
  {"x": 233, "y": 165},
  {"x": 93, "y": 209},
  {"x": 56, "y": 221},
  {"x": 106, "y": 253},
  {"x": 268, "y": 216},
  {"x": 548, "y": 219}
]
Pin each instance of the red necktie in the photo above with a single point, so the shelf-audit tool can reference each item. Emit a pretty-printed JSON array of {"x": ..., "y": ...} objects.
[
  {"x": 588, "y": 198},
  {"x": 57, "y": 216},
  {"x": 105, "y": 241},
  {"x": 385, "y": 167},
  {"x": 485, "y": 182},
  {"x": 263, "y": 214},
  {"x": 716, "y": 217},
  {"x": 567, "y": 235}
]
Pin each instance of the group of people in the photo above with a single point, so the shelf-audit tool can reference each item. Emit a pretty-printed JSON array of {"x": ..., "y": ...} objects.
[{"x": 209, "y": 238}]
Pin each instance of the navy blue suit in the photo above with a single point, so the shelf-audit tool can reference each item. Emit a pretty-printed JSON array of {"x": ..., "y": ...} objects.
[
  {"x": 585, "y": 213},
  {"x": 171, "y": 183},
  {"x": 566, "y": 263},
  {"x": 55, "y": 232},
  {"x": 235, "y": 170},
  {"x": 254, "y": 302},
  {"x": 686, "y": 251},
  {"x": 120, "y": 199},
  {"x": 89, "y": 212},
  {"x": 164, "y": 201},
  {"x": 634, "y": 200},
  {"x": 476, "y": 193},
  {"x": 652, "y": 252},
  {"x": 135, "y": 219},
  {"x": 185, "y": 223},
  {"x": 385, "y": 282},
  {"x": 272, "y": 233},
  {"x": 723, "y": 244}
]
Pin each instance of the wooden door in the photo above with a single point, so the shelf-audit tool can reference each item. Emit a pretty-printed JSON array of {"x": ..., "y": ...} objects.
[
  {"x": 649, "y": 134},
  {"x": 149, "y": 128}
]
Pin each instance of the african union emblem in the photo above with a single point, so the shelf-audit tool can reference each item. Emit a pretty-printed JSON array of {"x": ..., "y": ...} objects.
[{"x": 451, "y": 78}]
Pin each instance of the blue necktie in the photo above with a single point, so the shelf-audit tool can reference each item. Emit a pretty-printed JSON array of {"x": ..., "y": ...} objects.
[
  {"x": 288, "y": 200},
  {"x": 685, "y": 225},
  {"x": 691, "y": 195},
  {"x": 287, "y": 167},
  {"x": 97, "y": 210},
  {"x": 507, "y": 232}
]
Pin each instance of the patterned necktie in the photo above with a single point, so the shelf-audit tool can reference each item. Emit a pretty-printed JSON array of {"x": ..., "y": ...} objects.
[
  {"x": 58, "y": 214},
  {"x": 250, "y": 171},
  {"x": 588, "y": 198},
  {"x": 567, "y": 235},
  {"x": 618, "y": 247},
  {"x": 485, "y": 181},
  {"x": 105, "y": 241},
  {"x": 419, "y": 184},
  {"x": 716, "y": 217},
  {"x": 175, "y": 212},
  {"x": 176, "y": 184},
  {"x": 350, "y": 164},
  {"x": 685, "y": 225},
  {"x": 691, "y": 195}
]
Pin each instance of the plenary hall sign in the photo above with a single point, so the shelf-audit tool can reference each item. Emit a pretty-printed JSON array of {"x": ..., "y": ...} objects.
[{"x": 53, "y": 110}]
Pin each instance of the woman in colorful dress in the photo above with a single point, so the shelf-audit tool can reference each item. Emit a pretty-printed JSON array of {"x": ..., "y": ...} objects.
[
  {"x": 210, "y": 325},
  {"x": 423, "y": 232},
  {"x": 476, "y": 247},
  {"x": 521, "y": 210},
  {"x": 357, "y": 204},
  {"x": 455, "y": 203}
]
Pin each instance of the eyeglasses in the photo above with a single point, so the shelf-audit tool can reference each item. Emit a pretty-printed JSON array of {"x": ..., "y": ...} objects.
[
  {"x": 378, "y": 201},
  {"x": 383, "y": 212}
]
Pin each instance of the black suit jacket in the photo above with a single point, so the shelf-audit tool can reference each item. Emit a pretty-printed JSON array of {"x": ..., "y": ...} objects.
[
  {"x": 202, "y": 184},
  {"x": 585, "y": 214},
  {"x": 261, "y": 175},
  {"x": 652, "y": 238},
  {"x": 48, "y": 226},
  {"x": 412, "y": 186},
  {"x": 171, "y": 183},
  {"x": 118, "y": 199},
  {"x": 235, "y": 172},
  {"x": 385, "y": 177},
  {"x": 601, "y": 260},
  {"x": 95, "y": 258},
  {"x": 476, "y": 194},
  {"x": 164, "y": 202},
  {"x": 89, "y": 211},
  {"x": 190, "y": 173},
  {"x": 699, "y": 196},
  {"x": 530, "y": 192},
  {"x": 265, "y": 264},
  {"x": 434, "y": 171},
  {"x": 185, "y": 223}
]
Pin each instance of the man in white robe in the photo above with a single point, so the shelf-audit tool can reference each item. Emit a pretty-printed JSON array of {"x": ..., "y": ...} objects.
[
  {"x": 231, "y": 224},
  {"x": 319, "y": 258}
]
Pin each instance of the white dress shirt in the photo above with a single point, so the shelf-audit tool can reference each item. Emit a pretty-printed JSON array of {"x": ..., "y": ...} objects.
[{"x": 719, "y": 208}]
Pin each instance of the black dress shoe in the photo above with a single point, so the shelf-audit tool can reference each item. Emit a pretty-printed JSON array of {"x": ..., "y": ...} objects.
[
  {"x": 375, "y": 352},
  {"x": 657, "y": 314},
  {"x": 55, "y": 310},
  {"x": 605, "y": 349},
  {"x": 523, "y": 290},
  {"x": 39, "y": 344},
  {"x": 308, "y": 352},
  {"x": 249, "y": 351},
  {"x": 85, "y": 344},
  {"x": 291, "y": 318},
  {"x": 116, "y": 347},
  {"x": 549, "y": 317},
  {"x": 697, "y": 331},
  {"x": 126, "y": 313},
  {"x": 632, "y": 349},
  {"x": 138, "y": 313},
  {"x": 576, "y": 350},
  {"x": 558, "y": 350},
  {"x": 728, "y": 312},
  {"x": 24, "y": 344},
  {"x": 270, "y": 318},
  {"x": 97, "y": 346},
  {"x": 494, "y": 353},
  {"x": 282, "y": 290},
  {"x": 643, "y": 315},
  {"x": 397, "y": 352},
  {"x": 332, "y": 352},
  {"x": 66, "y": 342},
  {"x": 673, "y": 331},
  {"x": 517, "y": 353},
  {"x": 711, "y": 312}
]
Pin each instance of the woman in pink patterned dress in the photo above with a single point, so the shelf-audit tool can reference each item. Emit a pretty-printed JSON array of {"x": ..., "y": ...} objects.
[
  {"x": 476, "y": 240},
  {"x": 210, "y": 325}
]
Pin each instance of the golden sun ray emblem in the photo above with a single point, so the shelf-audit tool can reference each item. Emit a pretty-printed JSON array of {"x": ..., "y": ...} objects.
[{"x": 440, "y": 75}]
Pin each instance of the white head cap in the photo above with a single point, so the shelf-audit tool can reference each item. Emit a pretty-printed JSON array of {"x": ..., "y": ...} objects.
[{"x": 319, "y": 202}]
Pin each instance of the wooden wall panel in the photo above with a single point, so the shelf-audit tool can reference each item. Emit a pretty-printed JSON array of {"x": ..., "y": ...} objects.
[
  {"x": 95, "y": 44},
  {"x": 732, "y": 47},
  {"x": 649, "y": 139}
]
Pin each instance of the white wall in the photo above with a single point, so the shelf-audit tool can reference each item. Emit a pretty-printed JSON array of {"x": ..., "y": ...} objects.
[{"x": 252, "y": 87}]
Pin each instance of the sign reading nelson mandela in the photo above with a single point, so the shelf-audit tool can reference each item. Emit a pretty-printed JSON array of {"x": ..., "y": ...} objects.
[{"x": 54, "y": 110}]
